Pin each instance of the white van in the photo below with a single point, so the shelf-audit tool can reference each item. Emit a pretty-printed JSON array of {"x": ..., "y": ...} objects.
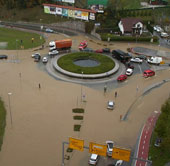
[{"x": 154, "y": 60}]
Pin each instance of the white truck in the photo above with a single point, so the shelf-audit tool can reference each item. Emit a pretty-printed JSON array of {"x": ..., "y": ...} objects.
[{"x": 154, "y": 60}]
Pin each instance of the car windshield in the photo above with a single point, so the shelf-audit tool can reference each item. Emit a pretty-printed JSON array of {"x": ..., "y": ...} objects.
[{"x": 110, "y": 145}]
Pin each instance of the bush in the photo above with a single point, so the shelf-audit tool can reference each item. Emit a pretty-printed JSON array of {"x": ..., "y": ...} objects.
[
  {"x": 104, "y": 37},
  {"x": 76, "y": 117},
  {"x": 78, "y": 110},
  {"x": 77, "y": 127}
]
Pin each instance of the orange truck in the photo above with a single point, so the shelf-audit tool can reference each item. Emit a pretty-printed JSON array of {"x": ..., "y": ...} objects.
[{"x": 60, "y": 44}]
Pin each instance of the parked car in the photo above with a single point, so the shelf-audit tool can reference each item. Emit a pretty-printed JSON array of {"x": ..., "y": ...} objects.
[
  {"x": 93, "y": 159},
  {"x": 49, "y": 30},
  {"x": 36, "y": 54},
  {"x": 137, "y": 60},
  {"x": 53, "y": 52},
  {"x": 45, "y": 59},
  {"x": 119, "y": 163},
  {"x": 110, "y": 105},
  {"x": 3, "y": 57},
  {"x": 122, "y": 78},
  {"x": 106, "y": 50},
  {"x": 99, "y": 51},
  {"x": 157, "y": 142},
  {"x": 129, "y": 72},
  {"x": 110, "y": 145},
  {"x": 164, "y": 35},
  {"x": 37, "y": 58},
  {"x": 148, "y": 73}
]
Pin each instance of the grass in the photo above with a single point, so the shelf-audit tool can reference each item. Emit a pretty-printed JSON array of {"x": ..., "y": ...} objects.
[
  {"x": 66, "y": 62},
  {"x": 2, "y": 122},
  {"x": 77, "y": 127},
  {"x": 161, "y": 155},
  {"x": 77, "y": 117},
  {"x": 16, "y": 39},
  {"x": 78, "y": 110}
]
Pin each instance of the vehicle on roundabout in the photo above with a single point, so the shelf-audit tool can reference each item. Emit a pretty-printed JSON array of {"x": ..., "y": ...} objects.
[
  {"x": 94, "y": 158},
  {"x": 164, "y": 35},
  {"x": 110, "y": 105},
  {"x": 106, "y": 50},
  {"x": 87, "y": 50},
  {"x": 53, "y": 52},
  {"x": 36, "y": 54},
  {"x": 110, "y": 145},
  {"x": 136, "y": 60},
  {"x": 3, "y": 57},
  {"x": 83, "y": 45},
  {"x": 122, "y": 78},
  {"x": 45, "y": 59},
  {"x": 99, "y": 51},
  {"x": 142, "y": 57},
  {"x": 129, "y": 72},
  {"x": 129, "y": 65},
  {"x": 148, "y": 73}
]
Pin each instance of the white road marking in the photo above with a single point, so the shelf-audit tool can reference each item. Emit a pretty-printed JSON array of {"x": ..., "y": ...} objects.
[
  {"x": 143, "y": 147},
  {"x": 140, "y": 69},
  {"x": 145, "y": 136},
  {"x": 144, "y": 142},
  {"x": 142, "y": 152}
]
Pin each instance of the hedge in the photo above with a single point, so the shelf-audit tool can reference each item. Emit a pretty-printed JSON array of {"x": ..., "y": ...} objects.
[{"x": 104, "y": 37}]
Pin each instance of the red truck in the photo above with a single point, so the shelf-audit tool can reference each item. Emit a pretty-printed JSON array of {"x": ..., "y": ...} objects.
[
  {"x": 83, "y": 45},
  {"x": 60, "y": 44}
]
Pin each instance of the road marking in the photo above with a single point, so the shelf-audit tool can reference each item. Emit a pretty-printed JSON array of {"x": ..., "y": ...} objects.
[
  {"x": 143, "y": 147},
  {"x": 145, "y": 136},
  {"x": 140, "y": 164},
  {"x": 144, "y": 142},
  {"x": 140, "y": 69},
  {"x": 142, "y": 152}
]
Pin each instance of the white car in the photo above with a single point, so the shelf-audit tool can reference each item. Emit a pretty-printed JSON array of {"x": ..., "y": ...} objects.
[
  {"x": 36, "y": 54},
  {"x": 110, "y": 105},
  {"x": 110, "y": 145},
  {"x": 164, "y": 34},
  {"x": 93, "y": 159},
  {"x": 119, "y": 163},
  {"x": 137, "y": 60},
  {"x": 45, "y": 59},
  {"x": 53, "y": 52},
  {"x": 49, "y": 30},
  {"x": 129, "y": 71}
]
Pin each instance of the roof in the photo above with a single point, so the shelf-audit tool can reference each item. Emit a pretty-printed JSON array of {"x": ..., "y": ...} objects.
[
  {"x": 69, "y": 7},
  {"x": 94, "y": 156},
  {"x": 129, "y": 22}
]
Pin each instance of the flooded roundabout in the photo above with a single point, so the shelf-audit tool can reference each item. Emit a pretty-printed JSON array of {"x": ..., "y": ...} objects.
[{"x": 83, "y": 67}]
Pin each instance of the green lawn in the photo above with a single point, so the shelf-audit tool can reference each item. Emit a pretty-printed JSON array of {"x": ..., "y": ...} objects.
[
  {"x": 66, "y": 63},
  {"x": 2, "y": 121},
  {"x": 15, "y": 39},
  {"x": 161, "y": 155}
]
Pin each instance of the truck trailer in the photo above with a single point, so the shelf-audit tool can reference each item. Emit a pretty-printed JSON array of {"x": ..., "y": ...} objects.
[{"x": 60, "y": 44}]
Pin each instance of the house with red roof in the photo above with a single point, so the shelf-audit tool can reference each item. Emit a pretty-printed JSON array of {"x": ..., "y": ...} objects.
[{"x": 131, "y": 25}]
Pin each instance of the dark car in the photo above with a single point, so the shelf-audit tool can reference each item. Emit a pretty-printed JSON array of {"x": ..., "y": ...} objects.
[
  {"x": 129, "y": 65},
  {"x": 88, "y": 50},
  {"x": 157, "y": 142},
  {"x": 142, "y": 57},
  {"x": 106, "y": 50},
  {"x": 37, "y": 58},
  {"x": 3, "y": 57}
]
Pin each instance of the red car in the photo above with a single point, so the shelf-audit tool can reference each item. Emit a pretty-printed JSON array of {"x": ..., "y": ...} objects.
[
  {"x": 122, "y": 78},
  {"x": 99, "y": 51},
  {"x": 148, "y": 73},
  {"x": 83, "y": 45}
]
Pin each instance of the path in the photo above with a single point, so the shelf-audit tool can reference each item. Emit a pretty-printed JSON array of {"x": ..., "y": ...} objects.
[{"x": 143, "y": 148}]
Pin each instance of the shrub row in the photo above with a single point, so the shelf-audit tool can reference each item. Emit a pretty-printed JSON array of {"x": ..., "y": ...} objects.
[{"x": 105, "y": 37}]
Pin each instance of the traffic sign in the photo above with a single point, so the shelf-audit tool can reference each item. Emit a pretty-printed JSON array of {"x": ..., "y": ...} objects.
[
  {"x": 76, "y": 144},
  {"x": 97, "y": 149},
  {"x": 121, "y": 154}
]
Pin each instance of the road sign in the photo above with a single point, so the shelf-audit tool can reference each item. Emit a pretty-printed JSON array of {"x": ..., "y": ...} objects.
[
  {"x": 97, "y": 149},
  {"x": 121, "y": 154},
  {"x": 76, "y": 144}
]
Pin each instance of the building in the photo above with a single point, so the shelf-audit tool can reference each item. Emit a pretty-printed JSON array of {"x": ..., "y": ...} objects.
[{"x": 131, "y": 25}]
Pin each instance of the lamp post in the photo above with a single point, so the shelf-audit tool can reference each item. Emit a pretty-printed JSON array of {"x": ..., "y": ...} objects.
[
  {"x": 81, "y": 86},
  {"x": 9, "y": 94},
  {"x": 17, "y": 48}
]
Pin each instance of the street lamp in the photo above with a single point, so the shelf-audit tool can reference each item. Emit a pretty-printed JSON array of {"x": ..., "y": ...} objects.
[
  {"x": 9, "y": 94},
  {"x": 81, "y": 85},
  {"x": 17, "y": 48}
]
